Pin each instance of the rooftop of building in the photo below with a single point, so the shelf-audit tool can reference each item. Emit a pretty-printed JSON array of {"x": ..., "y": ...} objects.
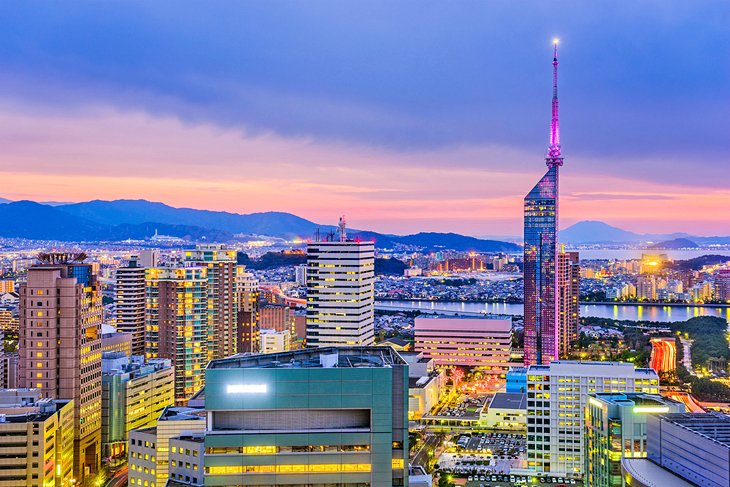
[
  {"x": 634, "y": 399},
  {"x": 326, "y": 357},
  {"x": 196, "y": 438},
  {"x": 36, "y": 412},
  {"x": 564, "y": 364},
  {"x": 649, "y": 473},
  {"x": 485, "y": 317},
  {"x": 182, "y": 413},
  {"x": 419, "y": 382},
  {"x": 509, "y": 400},
  {"x": 517, "y": 371},
  {"x": 712, "y": 426}
]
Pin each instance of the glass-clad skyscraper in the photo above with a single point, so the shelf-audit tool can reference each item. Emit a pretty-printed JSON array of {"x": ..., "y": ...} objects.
[{"x": 541, "y": 248}]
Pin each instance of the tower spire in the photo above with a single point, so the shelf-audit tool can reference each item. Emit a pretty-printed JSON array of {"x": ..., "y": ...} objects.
[{"x": 554, "y": 156}]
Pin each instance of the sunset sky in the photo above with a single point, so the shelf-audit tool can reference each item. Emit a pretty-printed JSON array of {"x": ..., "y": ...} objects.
[{"x": 404, "y": 115}]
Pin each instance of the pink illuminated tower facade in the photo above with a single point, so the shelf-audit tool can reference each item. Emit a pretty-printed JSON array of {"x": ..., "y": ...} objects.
[{"x": 541, "y": 248}]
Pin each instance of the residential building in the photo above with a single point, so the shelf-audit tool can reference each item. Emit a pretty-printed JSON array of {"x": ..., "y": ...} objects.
[
  {"x": 114, "y": 341},
  {"x": 60, "y": 346},
  {"x": 275, "y": 317},
  {"x": 149, "y": 257},
  {"x": 247, "y": 302},
  {"x": 484, "y": 343},
  {"x": 541, "y": 248},
  {"x": 149, "y": 448},
  {"x": 556, "y": 401},
  {"x": 9, "y": 370},
  {"x": 36, "y": 441},
  {"x": 568, "y": 290},
  {"x": 7, "y": 286},
  {"x": 319, "y": 416},
  {"x": 694, "y": 446},
  {"x": 300, "y": 274},
  {"x": 722, "y": 286},
  {"x": 8, "y": 320},
  {"x": 646, "y": 287},
  {"x": 273, "y": 341},
  {"x": 340, "y": 292},
  {"x": 223, "y": 307},
  {"x": 131, "y": 303},
  {"x": 177, "y": 324},
  {"x": 134, "y": 394},
  {"x": 615, "y": 427}
]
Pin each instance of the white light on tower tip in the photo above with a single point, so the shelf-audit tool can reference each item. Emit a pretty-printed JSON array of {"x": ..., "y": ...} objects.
[{"x": 555, "y": 41}]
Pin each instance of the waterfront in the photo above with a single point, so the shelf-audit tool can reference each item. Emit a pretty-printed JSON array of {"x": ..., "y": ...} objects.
[
  {"x": 651, "y": 312},
  {"x": 627, "y": 254}
]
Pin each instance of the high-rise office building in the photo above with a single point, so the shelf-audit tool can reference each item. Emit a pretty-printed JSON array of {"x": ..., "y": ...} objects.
[
  {"x": 541, "y": 248},
  {"x": 130, "y": 303},
  {"x": 60, "y": 346},
  {"x": 134, "y": 394},
  {"x": 36, "y": 440},
  {"x": 319, "y": 416},
  {"x": 615, "y": 427},
  {"x": 247, "y": 303},
  {"x": 568, "y": 277},
  {"x": 340, "y": 292},
  {"x": 221, "y": 265},
  {"x": 556, "y": 400},
  {"x": 177, "y": 324}
]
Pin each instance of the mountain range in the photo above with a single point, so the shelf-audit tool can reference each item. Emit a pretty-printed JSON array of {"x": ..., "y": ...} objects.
[
  {"x": 139, "y": 219},
  {"x": 597, "y": 232}
]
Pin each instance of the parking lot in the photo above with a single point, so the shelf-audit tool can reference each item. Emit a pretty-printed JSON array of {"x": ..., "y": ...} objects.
[{"x": 519, "y": 481}]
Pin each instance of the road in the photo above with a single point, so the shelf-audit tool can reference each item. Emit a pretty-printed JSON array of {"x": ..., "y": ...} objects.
[
  {"x": 421, "y": 458},
  {"x": 119, "y": 479},
  {"x": 687, "y": 358}
]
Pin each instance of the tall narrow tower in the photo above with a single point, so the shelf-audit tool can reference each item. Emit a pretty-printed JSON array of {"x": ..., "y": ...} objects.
[{"x": 541, "y": 242}]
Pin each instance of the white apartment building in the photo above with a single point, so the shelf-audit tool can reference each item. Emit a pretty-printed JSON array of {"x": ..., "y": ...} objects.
[
  {"x": 556, "y": 400},
  {"x": 273, "y": 341},
  {"x": 340, "y": 293}
]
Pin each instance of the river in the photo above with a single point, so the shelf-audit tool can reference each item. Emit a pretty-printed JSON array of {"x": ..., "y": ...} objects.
[{"x": 652, "y": 312}]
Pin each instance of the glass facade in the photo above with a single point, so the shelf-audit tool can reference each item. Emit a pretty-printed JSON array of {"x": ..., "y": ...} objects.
[{"x": 541, "y": 245}]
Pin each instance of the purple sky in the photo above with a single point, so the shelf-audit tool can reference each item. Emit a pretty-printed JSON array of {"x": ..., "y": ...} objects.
[{"x": 404, "y": 115}]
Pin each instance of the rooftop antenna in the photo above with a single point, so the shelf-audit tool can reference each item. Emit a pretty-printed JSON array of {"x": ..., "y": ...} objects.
[
  {"x": 342, "y": 228},
  {"x": 554, "y": 157}
]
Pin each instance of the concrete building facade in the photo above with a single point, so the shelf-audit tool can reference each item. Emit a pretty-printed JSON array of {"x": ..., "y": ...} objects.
[
  {"x": 131, "y": 303},
  {"x": 177, "y": 324},
  {"x": 484, "y": 343},
  {"x": 319, "y": 416},
  {"x": 340, "y": 293},
  {"x": 60, "y": 347},
  {"x": 556, "y": 402}
]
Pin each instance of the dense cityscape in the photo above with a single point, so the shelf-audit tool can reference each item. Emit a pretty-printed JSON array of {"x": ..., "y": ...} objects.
[{"x": 153, "y": 345}]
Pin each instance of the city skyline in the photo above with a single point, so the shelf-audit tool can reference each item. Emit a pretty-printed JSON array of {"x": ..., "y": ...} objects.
[{"x": 403, "y": 131}]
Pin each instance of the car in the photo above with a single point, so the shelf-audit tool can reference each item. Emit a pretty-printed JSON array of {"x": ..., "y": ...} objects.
[
  {"x": 572, "y": 481},
  {"x": 470, "y": 478},
  {"x": 482, "y": 478}
]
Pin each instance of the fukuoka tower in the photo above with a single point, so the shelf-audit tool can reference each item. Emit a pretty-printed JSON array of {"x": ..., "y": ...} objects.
[{"x": 541, "y": 248}]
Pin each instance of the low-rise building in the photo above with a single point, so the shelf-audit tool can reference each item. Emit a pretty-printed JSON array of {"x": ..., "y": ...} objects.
[
  {"x": 483, "y": 343},
  {"x": 36, "y": 440},
  {"x": 505, "y": 411},
  {"x": 149, "y": 448},
  {"x": 273, "y": 341},
  {"x": 425, "y": 384},
  {"x": 186, "y": 459}
]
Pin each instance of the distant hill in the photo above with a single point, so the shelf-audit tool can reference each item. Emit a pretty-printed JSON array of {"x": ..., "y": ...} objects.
[
  {"x": 27, "y": 219},
  {"x": 117, "y": 212},
  {"x": 676, "y": 243},
  {"x": 3, "y": 200},
  {"x": 596, "y": 232},
  {"x": 139, "y": 219}
]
